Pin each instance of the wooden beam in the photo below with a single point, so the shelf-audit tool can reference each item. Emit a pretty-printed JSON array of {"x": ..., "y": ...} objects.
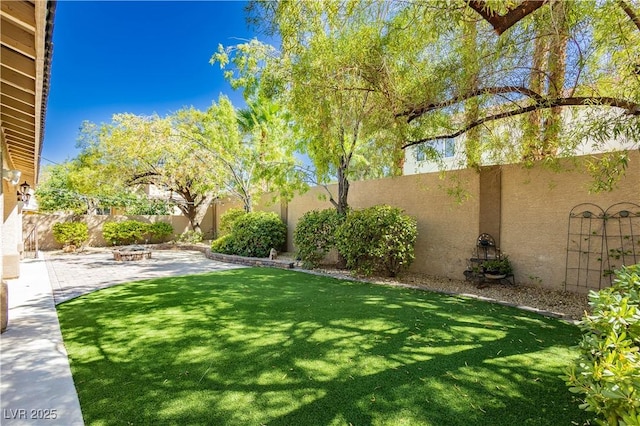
[
  {"x": 18, "y": 80},
  {"x": 7, "y": 117},
  {"x": 18, "y": 62},
  {"x": 25, "y": 164},
  {"x": 16, "y": 93},
  {"x": 20, "y": 12},
  {"x": 9, "y": 109},
  {"x": 17, "y": 129},
  {"x": 17, "y": 38},
  {"x": 17, "y": 105},
  {"x": 20, "y": 149},
  {"x": 21, "y": 142},
  {"x": 19, "y": 138}
]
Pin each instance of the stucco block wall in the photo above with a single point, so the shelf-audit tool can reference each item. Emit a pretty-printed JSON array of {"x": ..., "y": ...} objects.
[
  {"x": 11, "y": 232},
  {"x": 447, "y": 229},
  {"x": 526, "y": 209},
  {"x": 44, "y": 224},
  {"x": 535, "y": 216}
]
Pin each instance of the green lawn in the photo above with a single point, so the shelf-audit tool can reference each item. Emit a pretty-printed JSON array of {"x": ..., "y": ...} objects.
[{"x": 263, "y": 346}]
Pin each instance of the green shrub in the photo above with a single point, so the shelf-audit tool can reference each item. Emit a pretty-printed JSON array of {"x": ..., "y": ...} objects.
[
  {"x": 71, "y": 233},
  {"x": 127, "y": 232},
  {"x": 160, "y": 231},
  {"x": 607, "y": 371},
  {"x": 228, "y": 218},
  {"x": 223, "y": 245},
  {"x": 190, "y": 237},
  {"x": 377, "y": 239},
  {"x": 254, "y": 235},
  {"x": 315, "y": 235}
]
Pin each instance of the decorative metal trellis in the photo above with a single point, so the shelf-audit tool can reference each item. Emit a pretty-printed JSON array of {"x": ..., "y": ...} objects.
[{"x": 599, "y": 242}]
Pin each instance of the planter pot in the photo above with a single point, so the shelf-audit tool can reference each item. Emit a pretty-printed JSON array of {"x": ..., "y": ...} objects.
[{"x": 494, "y": 276}]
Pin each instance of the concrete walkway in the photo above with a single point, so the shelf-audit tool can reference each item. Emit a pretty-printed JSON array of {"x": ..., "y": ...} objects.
[{"x": 36, "y": 387}]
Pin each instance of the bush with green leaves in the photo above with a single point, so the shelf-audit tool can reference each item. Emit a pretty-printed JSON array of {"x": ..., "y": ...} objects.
[
  {"x": 190, "y": 237},
  {"x": 254, "y": 235},
  {"x": 607, "y": 371},
  {"x": 71, "y": 233},
  {"x": 160, "y": 231},
  {"x": 377, "y": 239},
  {"x": 228, "y": 218},
  {"x": 315, "y": 235},
  {"x": 126, "y": 232},
  {"x": 223, "y": 245}
]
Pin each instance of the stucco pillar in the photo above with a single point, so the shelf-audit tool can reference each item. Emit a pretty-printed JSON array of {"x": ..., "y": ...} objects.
[
  {"x": 1, "y": 225},
  {"x": 11, "y": 232},
  {"x": 4, "y": 290},
  {"x": 491, "y": 201}
]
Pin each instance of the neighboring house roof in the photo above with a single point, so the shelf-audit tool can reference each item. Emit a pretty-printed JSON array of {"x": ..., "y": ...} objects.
[{"x": 26, "y": 30}]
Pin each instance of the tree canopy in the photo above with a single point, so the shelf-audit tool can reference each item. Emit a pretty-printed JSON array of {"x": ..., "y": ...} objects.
[
  {"x": 515, "y": 80},
  {"x": 193, "y": 156},
  {"x": 355, "y": 82}
]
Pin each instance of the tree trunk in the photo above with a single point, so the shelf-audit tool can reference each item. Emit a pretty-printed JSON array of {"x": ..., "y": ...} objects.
[
  {"x": 533, "y": 121},
  {"x": 472, "y": 106},
  {"x": 343, "y": 187},
  {"x": 557, "y": 66},
  {"x": 342, "y": 204},
  {"x": 547, "y": 72},
  {"x": 247, "y": 204},
  {"x": 195, "y": 211}
]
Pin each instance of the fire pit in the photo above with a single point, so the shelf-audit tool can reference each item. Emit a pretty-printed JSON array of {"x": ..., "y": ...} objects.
[{"x": 131, "y": 253}]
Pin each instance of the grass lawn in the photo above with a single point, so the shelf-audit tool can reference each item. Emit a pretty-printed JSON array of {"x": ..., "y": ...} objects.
[{"x": 261, "y": 346}]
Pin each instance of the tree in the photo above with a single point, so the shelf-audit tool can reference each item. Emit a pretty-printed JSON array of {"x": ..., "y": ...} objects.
[
  {"x": 474, "y": 69},
  {"x": 82, "y": 184},
  {"x": 565, "y": 54},
  {"x": 83, "y": 189},
  {"x": 150, "y": 150},
  {"x": 326, "y": 89},
  {"x": 252, "y": 150},
  {"x": 55, "y": 191}
]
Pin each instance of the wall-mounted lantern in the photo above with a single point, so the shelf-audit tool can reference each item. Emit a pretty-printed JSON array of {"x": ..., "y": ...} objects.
[{"x": 23, "y": 194}]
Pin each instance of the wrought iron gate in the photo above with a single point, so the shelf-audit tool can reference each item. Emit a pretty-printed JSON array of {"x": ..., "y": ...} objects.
[{"x": 599, "y": 242}]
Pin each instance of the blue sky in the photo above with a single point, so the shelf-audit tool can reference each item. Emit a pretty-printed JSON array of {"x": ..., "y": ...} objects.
[{"x": 137, "y": 57}]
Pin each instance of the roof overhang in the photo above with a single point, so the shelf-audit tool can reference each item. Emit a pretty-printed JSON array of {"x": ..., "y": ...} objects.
[{"x": 26, "y": 29}]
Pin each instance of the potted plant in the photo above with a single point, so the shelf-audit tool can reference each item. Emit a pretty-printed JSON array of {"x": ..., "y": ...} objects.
[{"x": 497, "y": 268}]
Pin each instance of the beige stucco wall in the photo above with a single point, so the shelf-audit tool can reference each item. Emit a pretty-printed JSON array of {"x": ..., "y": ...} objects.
[
  {"x": 532, "y": 206},
  {"x": 44, "y": 224},
  {"x": 446, "y": 228},
  {"x": 11, "y": 232},
  {"x": 535, "y": 216}
]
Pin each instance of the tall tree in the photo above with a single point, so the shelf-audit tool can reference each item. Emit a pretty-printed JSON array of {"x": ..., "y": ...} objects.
[
  {"x": 84, "y": 183},
  {"x": 252, "y": 149},
  {"x": 322, "y": 76},
  {"x": 149, "y": 150},
  {"x": 572, "y": 58}
]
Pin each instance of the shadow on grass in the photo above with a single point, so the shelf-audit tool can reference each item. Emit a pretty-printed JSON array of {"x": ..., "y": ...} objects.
[{"x": 262, "y": 346}]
